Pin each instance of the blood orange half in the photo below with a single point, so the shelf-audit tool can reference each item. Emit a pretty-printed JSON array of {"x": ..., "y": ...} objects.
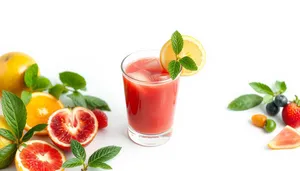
[
  {"x": 288, "y": 138},
  {"x": 36, "y": 155},
  {"x": 79, "y": 124}
]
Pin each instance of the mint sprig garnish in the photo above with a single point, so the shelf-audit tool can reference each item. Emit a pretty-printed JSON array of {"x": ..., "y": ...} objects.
[
  {"x": 15, "y": 115},
  {"x": 96, "y": 160},
  {"x": 249, "y": 101},
  {"x": 174, "y": 67}
]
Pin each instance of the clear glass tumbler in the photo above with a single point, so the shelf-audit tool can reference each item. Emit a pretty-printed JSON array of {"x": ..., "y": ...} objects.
[{"x": 150, "y": 96}]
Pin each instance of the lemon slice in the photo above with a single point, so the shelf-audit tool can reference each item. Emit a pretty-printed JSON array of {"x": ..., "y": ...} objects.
[{"x": 191, "y": 47}]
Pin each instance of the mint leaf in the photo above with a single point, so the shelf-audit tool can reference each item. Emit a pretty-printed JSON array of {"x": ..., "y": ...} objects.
[
  {"x": 96, "y": 103},
  {"x": 174, "y": 69},
  {"x": 15, "y": 112},
  {"x": 31, "y": 75},
  {"x": 78, "y": 150},
  {"x": 261, "y": 88},
  {"x": 42, "y": 84},
  {"x": 188, "y": 63},
  {"x": 103, "y": 155},
  {"x": 30, "y": 133},
  {"x": 245, "y": 102},
  {"x": 72, "y": 79},
  {"x": 267, "y": 99},
  {"x": 7, "y": 134},
  {"x": 280, "y": 86},
  {"x": 78, "y": 99},
  {"x": 58, "y": 90},
  {"x": 74, "y": 162},
  {"x": 7, "y": 155},
  {"x": 101, "y": 165},
  {"x": 177, "y": 42},
  {"x": 26, "y": 97}
]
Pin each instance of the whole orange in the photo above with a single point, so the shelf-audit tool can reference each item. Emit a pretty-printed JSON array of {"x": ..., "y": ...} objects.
[{"x": 12, "y": 68}]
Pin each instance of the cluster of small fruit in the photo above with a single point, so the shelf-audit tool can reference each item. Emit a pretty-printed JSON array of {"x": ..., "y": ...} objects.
[
  {"x": 272, "y": 109},
  {"x": 262, "y": 121}
]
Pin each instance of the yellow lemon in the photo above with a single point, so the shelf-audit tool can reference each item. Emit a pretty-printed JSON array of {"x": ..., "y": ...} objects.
[{"x": 191, "y": 47}]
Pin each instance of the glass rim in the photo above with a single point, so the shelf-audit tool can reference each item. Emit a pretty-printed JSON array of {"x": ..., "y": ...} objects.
[{"x": 146, "y": 82}]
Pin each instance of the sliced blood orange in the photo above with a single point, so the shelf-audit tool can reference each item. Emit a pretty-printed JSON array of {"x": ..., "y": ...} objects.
[
  {"x": 288, "y": 138},
  {"x": 79, "y": 124},
  {"x": 36, "y": 155}
]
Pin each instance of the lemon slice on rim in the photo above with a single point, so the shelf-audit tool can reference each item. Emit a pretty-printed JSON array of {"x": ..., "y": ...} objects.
[{"x": 191, "y": 47}]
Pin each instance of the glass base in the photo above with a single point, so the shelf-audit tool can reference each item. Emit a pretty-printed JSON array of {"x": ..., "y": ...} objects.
[{"x": 149, "y": 140}]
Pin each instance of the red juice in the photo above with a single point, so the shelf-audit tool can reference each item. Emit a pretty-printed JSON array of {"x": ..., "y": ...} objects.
[{"x": 150, "y": 96}]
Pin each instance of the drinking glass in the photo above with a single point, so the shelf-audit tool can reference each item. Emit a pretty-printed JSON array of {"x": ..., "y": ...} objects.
[{"x": 150, "y": 96}]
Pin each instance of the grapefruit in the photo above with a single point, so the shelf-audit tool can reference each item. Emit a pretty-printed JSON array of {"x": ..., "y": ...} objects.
[
  {"x": 288, "y": 138},
  {"x": 79, "y": 124},
  {"x": 36, "y": 155},
  {"x": 39, "y": 109},
  {"x": 12, "y": 68}
]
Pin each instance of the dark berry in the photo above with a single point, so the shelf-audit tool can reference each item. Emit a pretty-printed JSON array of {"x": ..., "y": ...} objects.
[
  {"x": 272, "y": 109},
  {"x": 281, "y": 100}
]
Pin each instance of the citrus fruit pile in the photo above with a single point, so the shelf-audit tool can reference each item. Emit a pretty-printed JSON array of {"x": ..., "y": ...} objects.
[{"x": 20, "y": 75}]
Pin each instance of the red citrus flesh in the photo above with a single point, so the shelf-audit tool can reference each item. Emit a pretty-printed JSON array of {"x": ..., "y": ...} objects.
[
  {"x": 39, "y": 155},
  {"x": 288, "y": 138},
  {"x": 79, "y": 124}
]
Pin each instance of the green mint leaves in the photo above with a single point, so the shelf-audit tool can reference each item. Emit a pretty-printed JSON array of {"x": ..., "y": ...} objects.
[
  {"x": 280, "y": 86},
  {"x": 15, "y": 115},
  {"x": 188, "y": 63},
  {"x": 174, "y": 69},
  {"x": 248, "y": 101},
  {"x": 7, "y": 155},
  {"x": 73, "y": 83},
  {"x": 14, "y": 112},
  {"x": 31, "y": 75},
  {"x": 96, "y": 160},
  {"x": 177, "y": 42},
  {"x": 96, "y": 103},
  {"x": 245, "y": 102},
  {"x": 78, "y": 99},
  {"x": 34, "y": 83},
  {"x": 175, "y": 66},
  {"x": 73, "y": 80},
  {"x": 261, "y": 88}
]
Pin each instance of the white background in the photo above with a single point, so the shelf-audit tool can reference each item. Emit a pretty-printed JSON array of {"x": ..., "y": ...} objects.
[{"x": 245, "y": 41}]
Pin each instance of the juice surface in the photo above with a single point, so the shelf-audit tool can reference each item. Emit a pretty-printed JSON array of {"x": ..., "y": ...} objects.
[{"x": 151, "y": 100}]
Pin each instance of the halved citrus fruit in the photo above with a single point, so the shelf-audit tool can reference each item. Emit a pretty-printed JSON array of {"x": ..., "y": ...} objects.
[
  {"x": 39, "y": 109},
  {"x": 288, "y": 138},
  {"x": 36, "y": 155},
  {"x": 191, "y": 47},
  {"x": 3, "y": 141},
  {"x": 79, "y": 124}
]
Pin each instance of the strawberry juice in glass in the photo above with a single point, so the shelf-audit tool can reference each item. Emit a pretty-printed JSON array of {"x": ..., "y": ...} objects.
[{"x": 150, "y": 96}]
